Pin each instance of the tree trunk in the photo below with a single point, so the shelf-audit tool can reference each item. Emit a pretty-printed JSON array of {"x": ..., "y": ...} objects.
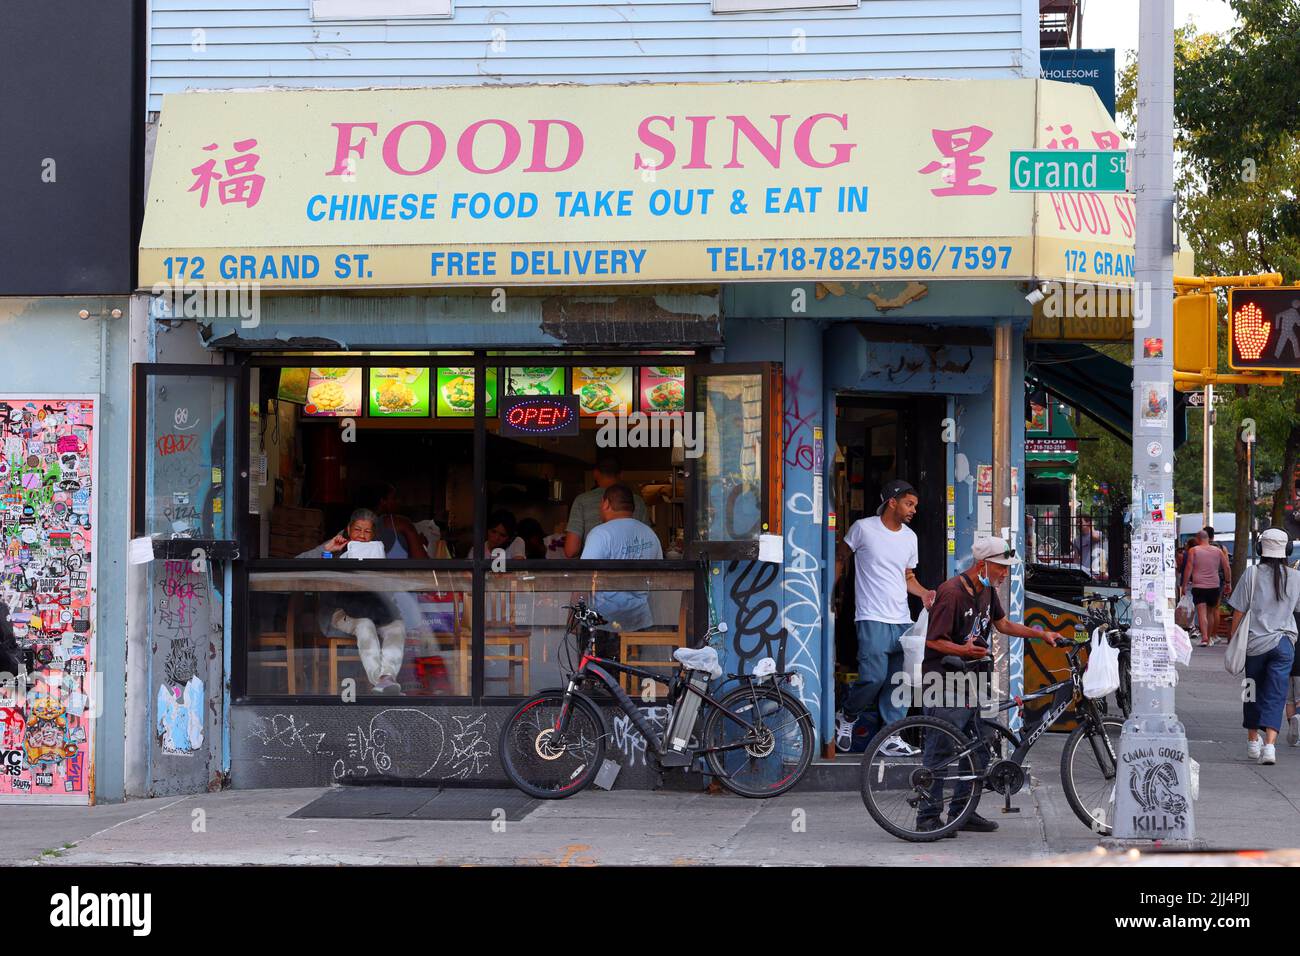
[
  {"x": 1286, "y": 492},
  {"x": 1241, "y": 536}
]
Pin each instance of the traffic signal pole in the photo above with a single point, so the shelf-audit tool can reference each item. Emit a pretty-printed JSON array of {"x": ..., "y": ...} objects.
[
  {"x": 1207, "y": 459},
  {"x": 1153, "y": 798}
]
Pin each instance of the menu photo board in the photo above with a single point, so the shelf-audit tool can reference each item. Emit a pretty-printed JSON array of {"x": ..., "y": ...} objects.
[
  {"x": 293, "y": 385},
  {"x": 334, "y": 392},
  {"x": 535, "y": 380},
  {"x": 662, "y": 389},
  {"x": 399, "y": 393},
  {"x": 455, "y": 397},
  {"x": 602, "y": 389}
]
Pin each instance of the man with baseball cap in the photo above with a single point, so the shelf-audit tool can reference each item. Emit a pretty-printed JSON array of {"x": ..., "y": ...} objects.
[
  {"x": 885, "y": 557},
  {"x": 965, "y": 611}
]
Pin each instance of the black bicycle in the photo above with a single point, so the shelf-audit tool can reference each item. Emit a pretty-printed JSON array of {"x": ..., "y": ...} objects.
[
  {"x": 757, "y": 740},
  {"x": 901, "y": 792}
]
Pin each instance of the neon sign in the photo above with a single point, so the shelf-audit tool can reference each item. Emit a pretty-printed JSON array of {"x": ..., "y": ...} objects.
[{"x": 552, "y": 415}]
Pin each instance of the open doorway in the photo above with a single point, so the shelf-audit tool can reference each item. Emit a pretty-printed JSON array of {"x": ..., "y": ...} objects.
[{"x": 879, "y": 439}]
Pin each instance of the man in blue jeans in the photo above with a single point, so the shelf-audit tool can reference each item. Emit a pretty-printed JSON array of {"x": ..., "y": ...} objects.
[{"x": 885, "y": 557}]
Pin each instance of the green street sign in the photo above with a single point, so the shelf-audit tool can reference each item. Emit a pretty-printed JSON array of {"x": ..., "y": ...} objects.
[{"x": 1068, "y": 170}]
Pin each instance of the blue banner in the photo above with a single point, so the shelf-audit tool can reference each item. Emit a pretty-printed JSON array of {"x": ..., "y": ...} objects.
[{"x": 1095, "y": 68}]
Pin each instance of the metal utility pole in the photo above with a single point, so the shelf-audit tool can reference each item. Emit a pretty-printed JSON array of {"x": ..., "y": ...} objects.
[
  {"x": 1153, "y": 778},
  {"x": 1207, "y": 458}
]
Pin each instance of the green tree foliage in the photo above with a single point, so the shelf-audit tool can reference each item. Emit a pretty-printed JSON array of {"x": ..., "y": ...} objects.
[{"x": 1237, "y": 111}]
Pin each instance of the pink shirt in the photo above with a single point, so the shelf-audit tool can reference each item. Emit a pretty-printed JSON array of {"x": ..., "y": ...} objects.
[{"x": 1205, "y": 560}]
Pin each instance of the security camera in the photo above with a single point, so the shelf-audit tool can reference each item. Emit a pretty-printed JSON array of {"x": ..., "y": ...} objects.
[{"x": 1036, "y": 296}]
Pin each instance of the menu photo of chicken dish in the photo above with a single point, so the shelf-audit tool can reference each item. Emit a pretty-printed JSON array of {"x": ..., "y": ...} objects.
[
  {"x": 663, "y": 389},
  {"x": 603, "y": 389}
]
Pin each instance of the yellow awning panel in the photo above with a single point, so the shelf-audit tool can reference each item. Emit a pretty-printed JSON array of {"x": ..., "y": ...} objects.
[{"x": 499, "y": 186}]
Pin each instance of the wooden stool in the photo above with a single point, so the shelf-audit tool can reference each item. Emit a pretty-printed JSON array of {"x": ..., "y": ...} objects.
[
  {"x": 283, "y": 641},
  {"x": 631, "y": 644},
  {"x": 501, "y": 633},
  {"x": 340, "y": 649}
]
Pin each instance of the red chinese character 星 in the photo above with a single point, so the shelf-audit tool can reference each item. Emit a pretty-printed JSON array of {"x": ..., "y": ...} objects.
[{"x": 960, "y": 171}]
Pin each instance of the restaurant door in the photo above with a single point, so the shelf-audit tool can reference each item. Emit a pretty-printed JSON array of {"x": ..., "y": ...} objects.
[{"x": 879, "y": 440}]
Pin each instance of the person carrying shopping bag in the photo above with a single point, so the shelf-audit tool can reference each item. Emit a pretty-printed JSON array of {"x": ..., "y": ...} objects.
[{"x": 1269, "y": 596}]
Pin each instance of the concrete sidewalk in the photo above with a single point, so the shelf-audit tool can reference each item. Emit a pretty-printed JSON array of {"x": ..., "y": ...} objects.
[{"x": 1242, "y": 805}]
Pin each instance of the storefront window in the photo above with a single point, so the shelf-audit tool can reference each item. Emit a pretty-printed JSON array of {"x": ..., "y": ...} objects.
[
  {"x": 525, "y": 647},
  {"x": 359, "y": 632},
  {"x": 185, "y": 493},
  {"x": 456, "y": 531},
  {"x": 369, "y": 632},
  {"x": 736, "y": 485}
]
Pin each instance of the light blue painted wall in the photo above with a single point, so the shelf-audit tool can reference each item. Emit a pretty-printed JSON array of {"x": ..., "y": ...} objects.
[
  {"x": 46, "y": 350},
  {"x": 226, "y": 44},
  {"x": 820, "y": 359}
]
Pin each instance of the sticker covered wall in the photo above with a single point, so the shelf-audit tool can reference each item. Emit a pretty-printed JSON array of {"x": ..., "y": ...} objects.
[{"x": 47, "y": 590}]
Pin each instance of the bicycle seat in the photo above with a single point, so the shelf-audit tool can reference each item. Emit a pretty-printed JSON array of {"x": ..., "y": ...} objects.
[
  {"x": 699, "y": 659},
  {"x": 965, "y": 665}
]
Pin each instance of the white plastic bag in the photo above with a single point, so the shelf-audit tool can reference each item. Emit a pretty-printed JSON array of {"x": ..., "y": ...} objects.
[
  {"x": 1102, "y": 676},
  {"x": 1180, "y": 645},
  {"x": 1185, "y": 612},
  {"x": 699, "y": 659},
  {"x": 913, "y": 641}
]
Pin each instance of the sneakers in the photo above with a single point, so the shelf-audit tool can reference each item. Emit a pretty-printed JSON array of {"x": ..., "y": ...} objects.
[
  {"x": 1268, "y": 755},
  {"x": 896, "y": 746},
  {"x": 977, "y": 824},
  {"x": 926, "y": 826},
  {"x": 843, "y": 732},
  {"x": 1253, "y": 748},
  {"x": 386, "y": 685},
  {"x": 1293, "y": 730}
]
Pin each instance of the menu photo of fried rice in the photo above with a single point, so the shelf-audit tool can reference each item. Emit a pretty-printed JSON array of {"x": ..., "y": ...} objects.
[
  {"x": 334, "y": 392},
  {"x": 399, "y": 392}
]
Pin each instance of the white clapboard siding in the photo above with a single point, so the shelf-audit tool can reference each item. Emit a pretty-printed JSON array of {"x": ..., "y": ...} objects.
[{"x": 228, "y": 44}]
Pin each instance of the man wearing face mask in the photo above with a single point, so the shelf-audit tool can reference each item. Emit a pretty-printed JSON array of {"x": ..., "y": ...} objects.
[{"x": 965, "y": 611}]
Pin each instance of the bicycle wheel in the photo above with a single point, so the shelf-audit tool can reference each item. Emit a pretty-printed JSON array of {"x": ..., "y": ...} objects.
[
  {"x": 541, "y": 762},
  {"x": 1088, "y": 772},
  {"x": 774, "y": 756},
  {"x": 1124, "y": 695},
  {"x": 901, "y": 791}
]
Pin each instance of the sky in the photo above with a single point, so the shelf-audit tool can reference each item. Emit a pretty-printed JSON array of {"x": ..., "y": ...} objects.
[{"x": 1114, "y": 23}]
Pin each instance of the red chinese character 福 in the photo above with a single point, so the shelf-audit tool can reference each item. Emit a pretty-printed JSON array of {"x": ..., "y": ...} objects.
[
  {"x": 960, "y": 171},
  {"x": 240, "y": 184},
  {"x": 1070, "y": 142}
]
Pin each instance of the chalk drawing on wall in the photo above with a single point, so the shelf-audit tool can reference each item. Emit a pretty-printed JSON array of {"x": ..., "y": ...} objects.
[{"x": 410, "y": 743}]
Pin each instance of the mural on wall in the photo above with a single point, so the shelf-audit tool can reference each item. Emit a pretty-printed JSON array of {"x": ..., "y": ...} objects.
[{"x": 47, "y": 526}]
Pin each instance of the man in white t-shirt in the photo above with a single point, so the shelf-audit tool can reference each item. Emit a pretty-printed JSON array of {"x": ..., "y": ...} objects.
[{"x": 885, "y": 558}]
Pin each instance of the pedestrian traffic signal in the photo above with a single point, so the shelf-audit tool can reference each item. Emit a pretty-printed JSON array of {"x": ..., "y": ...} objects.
[
  {"x": 1264, "y": 328},
  {"x": 1196, "y": 340}
]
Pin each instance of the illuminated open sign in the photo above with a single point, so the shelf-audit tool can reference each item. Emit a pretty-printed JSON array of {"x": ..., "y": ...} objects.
[{"x": 539, "y": 415}]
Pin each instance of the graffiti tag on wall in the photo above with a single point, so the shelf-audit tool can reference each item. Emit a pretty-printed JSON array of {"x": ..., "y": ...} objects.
[{"x": 181, "y": 601}]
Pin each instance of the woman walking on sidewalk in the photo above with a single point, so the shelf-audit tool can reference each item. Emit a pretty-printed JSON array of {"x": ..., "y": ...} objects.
[
  {"x": 1201, "y": 569},
  {"x": 1270, "y": 591}
]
